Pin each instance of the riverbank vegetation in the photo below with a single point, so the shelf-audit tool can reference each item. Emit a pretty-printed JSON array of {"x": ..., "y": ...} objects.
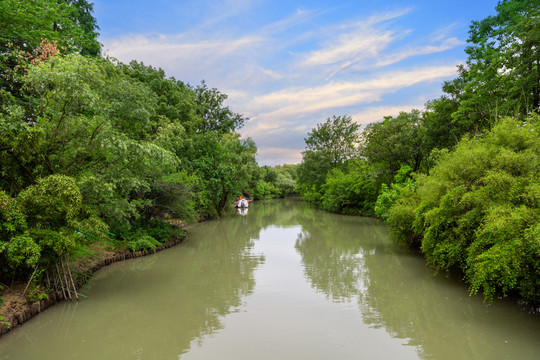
[
  {"x": 94, "y": 150},
  {"x": 457, "y": 180}
]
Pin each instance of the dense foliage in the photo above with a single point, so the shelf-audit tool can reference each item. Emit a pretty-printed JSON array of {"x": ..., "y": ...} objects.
[
  {"x": 478, "y": 211},
  {"x": 276, "y": 182},
  {"x": 458, "y": 180},
  {"x": 93, "y": 149}
]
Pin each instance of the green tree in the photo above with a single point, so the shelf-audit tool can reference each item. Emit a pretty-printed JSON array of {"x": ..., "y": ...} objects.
[
  {"x": 25, "y": 24},
  {"x": 81, "y": 14},
  {"x": 337, "y": 137},
  {"x": 440, "y": 129},
  {"x": 18, "y": 251},
  {"x": 390, "y": 193},
  {"x": 275, "y": 182},
  {"x": 395, "y": 142},
  {"x": 328, "y": 146},
  {"x": 215, "y": 116},
  {"x": 54, "y": 213},
  {"x": 175, "y": 100},
  {"x": 242, "y": 159},
  {"x": 312, "y": 173},
  {"x": 502, "y": 75}
]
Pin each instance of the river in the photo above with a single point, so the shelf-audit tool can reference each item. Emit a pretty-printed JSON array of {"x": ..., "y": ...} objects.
[{"x": 286, "y": 281}]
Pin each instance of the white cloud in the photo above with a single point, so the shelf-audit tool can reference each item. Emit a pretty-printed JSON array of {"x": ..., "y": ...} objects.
[
  {"x": 401, "y": 55},
  {"x": 304, "y": 100},
  {"x": 354, "y": 43},
  {"x": 166, "y": 49},
  {"x": 277, "y": 156},
  {"x": 377, "y": 113},
  {"x": 218, "y": 11},
  {"x": 363, "y": 42}
]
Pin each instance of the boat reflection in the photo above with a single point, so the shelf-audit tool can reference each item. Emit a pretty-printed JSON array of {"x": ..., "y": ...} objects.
[{"x": 242, "y": 211}]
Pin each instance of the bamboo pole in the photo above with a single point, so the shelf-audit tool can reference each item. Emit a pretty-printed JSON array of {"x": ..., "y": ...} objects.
[
  {"x": 61, "y": 283},
  {"x": 71, "y": 278},
  {"x": 29, "y": 281},
  {"x": 66, "y": 280}
]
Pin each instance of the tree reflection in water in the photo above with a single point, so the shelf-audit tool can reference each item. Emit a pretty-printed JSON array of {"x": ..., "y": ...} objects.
[{"x": 352, "y": 259}]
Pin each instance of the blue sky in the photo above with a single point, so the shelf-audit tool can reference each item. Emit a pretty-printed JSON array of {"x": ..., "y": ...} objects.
[{"x": 290, "y": 65}]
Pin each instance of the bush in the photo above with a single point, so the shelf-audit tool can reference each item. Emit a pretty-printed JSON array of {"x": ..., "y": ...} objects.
[
  {"x": 142, "y": 241},
  {"x": 478, "y": 211},
  {"x": 159, "y": 230},
  {"x": 350, "y": 192},
  {"x": 152, "y": 233},
  {"x": 266, "y": 190},
  {"x": 389, "y": 194}
]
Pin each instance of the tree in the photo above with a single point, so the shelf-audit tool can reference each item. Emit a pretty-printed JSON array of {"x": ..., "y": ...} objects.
[
  {"x": 25, "y": 24},
  {"x": 18, "y": 251},
  {"x": 312, "y": 173},
  {"x": 502, "y": 74},
  {"x": 396, "y": 142},
  {"x": 329, "y": 146},
  {"x": 441, "y": 131},
  {"x": 81, "y": 14},
  {"x": 175, "y": 100},
  {"x": 53, "y": 209},
  {"x": 215, "y": 116},
  {"x": 337, "y": 137},
  {"x": 242, "y": 158},
  {"x": 351, "y": 192}
]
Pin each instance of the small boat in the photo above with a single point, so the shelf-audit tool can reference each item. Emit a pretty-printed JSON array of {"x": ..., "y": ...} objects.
[{"x": 242, "y": 203}]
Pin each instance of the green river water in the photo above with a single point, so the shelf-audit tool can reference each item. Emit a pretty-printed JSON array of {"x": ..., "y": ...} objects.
[{"x": 286, "y": 281}]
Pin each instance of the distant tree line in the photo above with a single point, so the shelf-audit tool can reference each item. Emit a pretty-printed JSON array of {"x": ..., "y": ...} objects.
[{"x": 459, "y": 180}]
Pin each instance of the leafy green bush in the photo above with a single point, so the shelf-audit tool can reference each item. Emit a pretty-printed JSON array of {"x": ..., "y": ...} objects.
[
  {"x": 389, "y": 194},
  {"x": 159, "y": 230},
  {"x": 402, "y": 218},
  {"x": 350, "y": 192},
  {"x": 36, "y": 293},
  {"x": 478, "y": 211},
  {"x": 142, "y": 241},
  {"x": 266, "y": 190},
  {"x": 152, "y": 233}
]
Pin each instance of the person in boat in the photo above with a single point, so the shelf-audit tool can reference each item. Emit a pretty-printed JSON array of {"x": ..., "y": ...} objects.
[{"x": 242, "y": 203}]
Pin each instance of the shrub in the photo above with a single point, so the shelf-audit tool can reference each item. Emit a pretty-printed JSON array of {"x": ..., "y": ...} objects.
[
  {"x": 142, "y": 241},
  {"x": 478, "y": 211}
]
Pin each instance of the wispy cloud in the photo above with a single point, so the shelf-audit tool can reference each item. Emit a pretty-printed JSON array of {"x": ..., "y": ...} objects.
[
  {"x": 363, "y": 42},
  {"x": 302, "y": 100},
  {"x": 301, "y": 16},
  {"x": 402, "y": 54},
  {"x": 165, "y": 48},
  {"x": 218, "y": 11},
  {"x": 276, "y": 156},
  {"x": 377, "y": 113},
  {"x": 353, "y": 43}
]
